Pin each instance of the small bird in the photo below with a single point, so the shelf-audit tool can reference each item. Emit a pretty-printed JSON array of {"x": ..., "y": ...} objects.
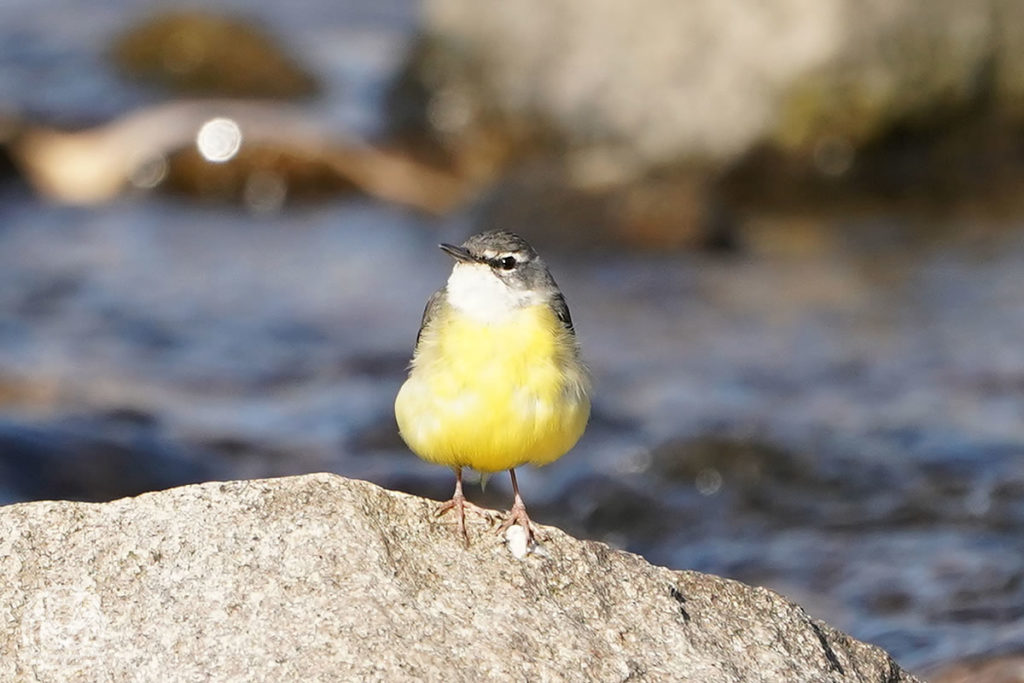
[{"x": 496, "y": 380}]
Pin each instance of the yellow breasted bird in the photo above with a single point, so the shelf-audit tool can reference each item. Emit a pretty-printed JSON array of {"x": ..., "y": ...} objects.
[{"x": 496, "y": 380}]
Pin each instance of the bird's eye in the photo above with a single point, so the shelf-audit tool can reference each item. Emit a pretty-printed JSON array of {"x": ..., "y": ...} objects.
[{"x": 507, "y": 263}]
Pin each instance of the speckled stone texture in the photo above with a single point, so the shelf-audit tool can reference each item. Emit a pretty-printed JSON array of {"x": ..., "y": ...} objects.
[{"x": 319, "y": 578}]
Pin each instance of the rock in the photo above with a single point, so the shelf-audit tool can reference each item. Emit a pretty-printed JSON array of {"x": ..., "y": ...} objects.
[
  {"x": 660, "y": 81},
  {"x": 280, "y": 154},
  {"x": 200, "y": 53},
  {"x": 548, "y": 205},
  {"x": 1004, "y": 669},
  {"x": 322, "y": 578},
  {"x": 652, "y": 114}
]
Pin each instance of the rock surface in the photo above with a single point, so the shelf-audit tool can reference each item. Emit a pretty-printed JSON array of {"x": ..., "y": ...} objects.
[
  {"x": 322, "y": 578},
  {"x": 657, "y": 81},
  {"x": 661, "y": 124},
  {"x": 202, "y": 53},
  {"x": 1005, "y": 669}
]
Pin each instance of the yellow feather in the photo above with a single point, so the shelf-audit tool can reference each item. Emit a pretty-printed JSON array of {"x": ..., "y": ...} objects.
[{"x": 494, "y": 396}]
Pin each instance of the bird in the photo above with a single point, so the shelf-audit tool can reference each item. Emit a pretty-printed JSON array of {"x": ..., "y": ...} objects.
[{"x": 496, "y": 379}]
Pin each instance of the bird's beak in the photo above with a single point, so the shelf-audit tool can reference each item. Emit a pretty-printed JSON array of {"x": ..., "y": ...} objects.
[{"x": 457, "y": 253}]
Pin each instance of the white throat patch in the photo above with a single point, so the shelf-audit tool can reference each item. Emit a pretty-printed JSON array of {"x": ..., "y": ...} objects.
[{"x": 475, "y": 290}]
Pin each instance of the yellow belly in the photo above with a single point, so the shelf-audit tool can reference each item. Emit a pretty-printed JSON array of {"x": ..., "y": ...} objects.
[{"x": 494, "y": 396}]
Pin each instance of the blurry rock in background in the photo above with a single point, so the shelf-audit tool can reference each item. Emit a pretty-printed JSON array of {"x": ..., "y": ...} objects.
[
  {"x": 548, "y": 200},
  {"x": 793, "y": 100},
  {"x": 1006, "y": 669},
  {"x": 198, "y": 53},
  {"x": 252, "y": 152},
  {"x": 659, "y": 126},
  {"x": 257, "y": 153},
  {"x": 10, "y": 128}
]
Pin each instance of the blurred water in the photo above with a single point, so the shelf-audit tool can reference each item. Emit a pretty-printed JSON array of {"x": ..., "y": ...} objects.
[{"x": 845, "y": 428}]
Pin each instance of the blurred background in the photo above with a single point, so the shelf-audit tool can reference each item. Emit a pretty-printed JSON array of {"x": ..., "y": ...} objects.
[{"x": 791, "y": 234}]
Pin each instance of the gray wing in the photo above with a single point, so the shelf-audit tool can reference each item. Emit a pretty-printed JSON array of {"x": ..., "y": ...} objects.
[
  {"x": 434, "y": 304},
  {"x": 562, "y": 311}
]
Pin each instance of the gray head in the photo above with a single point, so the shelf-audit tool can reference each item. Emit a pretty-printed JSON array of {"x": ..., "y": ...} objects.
[{"x": 496, "y": 273}]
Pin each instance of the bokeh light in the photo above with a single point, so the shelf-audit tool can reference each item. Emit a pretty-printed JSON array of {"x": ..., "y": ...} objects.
[{"x": 219, "y": 139}]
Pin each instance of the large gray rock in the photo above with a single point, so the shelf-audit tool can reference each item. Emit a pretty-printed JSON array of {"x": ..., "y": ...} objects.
[
  {"x": 322, "y": 578},
  {"x": 656, "y": 82}
]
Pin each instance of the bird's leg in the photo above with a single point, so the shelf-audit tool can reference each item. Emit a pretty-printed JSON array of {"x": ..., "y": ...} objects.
[
  {"x": 517, "y": 515},
  {"x": 459, "y": 504}
]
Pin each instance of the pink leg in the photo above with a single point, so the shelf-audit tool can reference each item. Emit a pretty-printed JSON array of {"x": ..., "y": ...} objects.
[
  {"x": 459, "y": 504},
  {"x": 517, "y": 515}
]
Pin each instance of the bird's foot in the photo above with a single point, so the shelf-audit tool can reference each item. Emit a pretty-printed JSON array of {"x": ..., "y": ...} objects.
[
  {"x": 517, "y": 516},
  {"x": 460, "y": 505}
]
